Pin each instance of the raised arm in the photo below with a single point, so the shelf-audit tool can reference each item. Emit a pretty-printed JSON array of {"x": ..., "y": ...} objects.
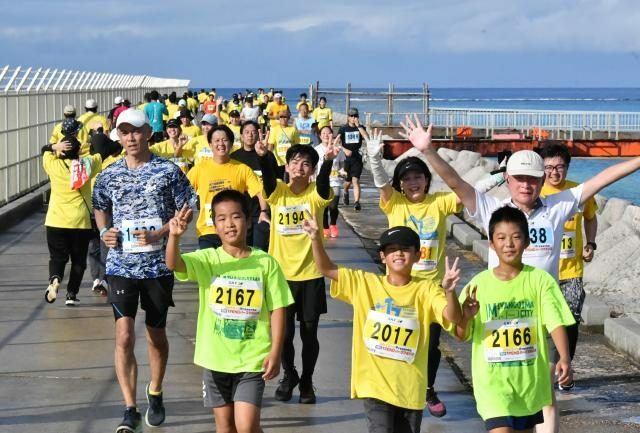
[
  {"x": 452, "y": 312},
  {"x": 322, "y": 181},
  {"x": 421, "y": 140},
  {"x": 470, "y": 308},
  {"x": 177, "y": 226},
  {"x": 380, "y": 176},
  {"x": 323, "y": 262},
  {"x": 607, "y": 176}
]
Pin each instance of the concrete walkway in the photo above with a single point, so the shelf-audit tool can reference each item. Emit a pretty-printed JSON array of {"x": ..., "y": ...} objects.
[{"x": 56, "y": 362}]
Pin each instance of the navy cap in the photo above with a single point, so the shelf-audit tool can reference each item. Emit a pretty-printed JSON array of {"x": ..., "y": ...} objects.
[
  {"x": 399, "y": 235},
  {"x": 71, "y": 126}
]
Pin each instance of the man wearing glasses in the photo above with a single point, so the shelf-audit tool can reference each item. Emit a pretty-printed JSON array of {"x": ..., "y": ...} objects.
[{"x": 573, "y": 250}]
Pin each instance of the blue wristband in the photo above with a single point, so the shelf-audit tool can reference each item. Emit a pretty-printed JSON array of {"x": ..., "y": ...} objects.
[{"x": 103, "y": 231}]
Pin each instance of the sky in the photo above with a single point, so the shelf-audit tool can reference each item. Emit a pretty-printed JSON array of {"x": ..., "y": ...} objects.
[{"x": 369, "y": 43}]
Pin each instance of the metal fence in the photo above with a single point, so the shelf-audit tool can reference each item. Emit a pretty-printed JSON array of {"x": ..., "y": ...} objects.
[
  {"x": 31, "y": 103},
  {"x": 566, "y": 125}
]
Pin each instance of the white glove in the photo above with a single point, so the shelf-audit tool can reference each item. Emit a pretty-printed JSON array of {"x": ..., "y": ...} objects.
[{"x": 374, "y": 147}]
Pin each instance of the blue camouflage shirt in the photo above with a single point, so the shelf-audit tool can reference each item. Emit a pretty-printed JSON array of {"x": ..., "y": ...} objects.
[{"x": 153, "y": 191}]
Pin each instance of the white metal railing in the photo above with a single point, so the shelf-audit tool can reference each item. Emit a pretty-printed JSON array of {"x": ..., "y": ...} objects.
[
  {"x": 559, "y": 124},
  {"x": 31, "y": 103}
]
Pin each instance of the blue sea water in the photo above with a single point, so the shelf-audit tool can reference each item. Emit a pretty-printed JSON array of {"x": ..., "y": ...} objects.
[{"x": 558, "y": 99}]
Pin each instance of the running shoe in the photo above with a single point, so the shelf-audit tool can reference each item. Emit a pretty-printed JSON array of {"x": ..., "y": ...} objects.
[
  {"x": 345, "y": 199},
  {"x": 72, "y": 300},
  {"x": 326, "y": 233},
  {"x": 307, "y": 392},
  {"x": 434, "y": 405},
  {"x": 568, "y": 387},
  {"x": 287, "y": 384},
  {"x": 100, "y": 287},
  {"x": 333, "y": 231},
  {"x": 357, "y": 206},
  {"x": 155, "y": 413},
  {"x": 132, "y": 421},
  {"x": 51, "y": 293}
]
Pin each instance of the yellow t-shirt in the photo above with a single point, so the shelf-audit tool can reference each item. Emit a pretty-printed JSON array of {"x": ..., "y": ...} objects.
[
  {"x": 167, "y": 150},
  {"x": 571, "y": 263},
  {"x": 141, "y": 106},
  {"x": 192, "y": 104},
  {"x": 233, "y": 106},
  {"x": 209, "y": 178},
  {"x": 68, "y": 208},
  {"x": 390, "y": 345},
  {"x": 223, "y": 117},
  {"x": 288, "y": 243},
  {"x": 172, "y": 109},
  {"x": 191, "y": 131},
  {"x": 202, "y": 96},
  {"x": 273, "y": 107},
  {"x": 428, "y": 219},
  {"x": 323, "y": 116},
  {"x": 282, "y": 139},
  {"x": 197, "y": 149},
  {"x": 89, "y": 117},
  {"x": 83, "y": 138}
]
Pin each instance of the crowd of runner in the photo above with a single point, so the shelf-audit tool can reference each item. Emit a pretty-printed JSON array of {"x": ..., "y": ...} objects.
[{"x": 266, "y": 190}]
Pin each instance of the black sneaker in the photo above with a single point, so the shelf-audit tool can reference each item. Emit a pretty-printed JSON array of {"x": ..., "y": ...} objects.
[
  {"x": 72, "y": 300},
  {"x": 357, "y": 206},
  {"x": 307, "y": 392},
  {"x": 132, "y": 421},
  {"x": 155, "y": 413},
  {"x": 345, "y": 199},
  {"x": 434, "y": 405},
  {"x": 51, "y": 293},
  {"x": 287, "y": 384}
]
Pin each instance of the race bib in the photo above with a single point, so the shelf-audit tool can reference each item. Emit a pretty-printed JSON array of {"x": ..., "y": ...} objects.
[
  {"x": 510, "y": 340},
  {"x": 208, "y": 215},
  {"x": 568, "y": 246},
  {"x": 282, "y": 147},
  {"x": 129, "y": 241},
  {"x": 289, "y": 220},
  {"x": 231, "y": 298},
  {"x": 305, "y": 139},
  {"x": 428, "y": 255},
  {"x": 352, "y": 137},
  {"x": 541, "y": 237},
  {"x": 205, "y": 153},
  {"x": 391, "y": 337}
]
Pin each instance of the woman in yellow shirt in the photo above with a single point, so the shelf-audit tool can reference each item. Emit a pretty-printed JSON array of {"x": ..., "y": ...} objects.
[
  {"x": 68, "y": 221},
  {"x": 406, "y": 202}
]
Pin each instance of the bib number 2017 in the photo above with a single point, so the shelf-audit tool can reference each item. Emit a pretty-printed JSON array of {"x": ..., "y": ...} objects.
[{"x": 390, "y": 334}]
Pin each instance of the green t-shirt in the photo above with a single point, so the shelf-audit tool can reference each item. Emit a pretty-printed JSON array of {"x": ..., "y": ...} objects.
[
  {"x": 236, "y": 297},
  {"x": 510, "y": 362}
]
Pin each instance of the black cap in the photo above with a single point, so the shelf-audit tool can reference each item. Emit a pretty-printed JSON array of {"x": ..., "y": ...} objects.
[
  {"x": 173, "y": 123},
  {"x": 410, "y": 164},
  {"x": 234, "y": 113},
  {"x": 71, "y": 126},
  {"x": 400, "y": 235},
  {"x": 353, "y": 112}
]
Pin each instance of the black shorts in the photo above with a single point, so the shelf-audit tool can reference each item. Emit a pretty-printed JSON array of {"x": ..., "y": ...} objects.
[
  {"x": 515, "y": 422},
  {"x": 383, "y": 417},
  {"x": 310, "y": 299},
  {"x": 219, "y": 389},
  {"x": 353, "y": 167},
  {"x": 156, "y": 296}
]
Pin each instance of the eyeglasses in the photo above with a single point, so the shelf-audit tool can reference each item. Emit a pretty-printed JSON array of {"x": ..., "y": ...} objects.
[
  {"x": 560, "y": 168},
  {"x": 284, "y": 117}
]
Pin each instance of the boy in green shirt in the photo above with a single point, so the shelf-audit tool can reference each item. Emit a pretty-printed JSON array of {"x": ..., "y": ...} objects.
[
  {"x": 243, "y": 297},
  {"x": 507, "y": 312}
]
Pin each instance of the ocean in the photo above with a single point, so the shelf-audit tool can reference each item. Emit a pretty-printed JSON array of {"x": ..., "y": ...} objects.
[{"x": 556, "y": 99}]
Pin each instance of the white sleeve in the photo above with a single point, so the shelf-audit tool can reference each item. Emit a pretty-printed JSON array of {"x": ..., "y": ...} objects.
[
  {"x": 565, "y": 203},
  {"x": 485, "y": 206}
]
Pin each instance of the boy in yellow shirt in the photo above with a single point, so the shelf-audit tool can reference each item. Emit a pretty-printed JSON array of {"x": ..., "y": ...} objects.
[
  {"x": 391, "y": 318},
  {"x": 292, "y": 249}
]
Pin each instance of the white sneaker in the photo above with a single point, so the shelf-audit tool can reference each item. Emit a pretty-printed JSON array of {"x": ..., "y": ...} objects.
[
  {"x": 100, "y": 287},
  {"x": 51, "y": 293}
]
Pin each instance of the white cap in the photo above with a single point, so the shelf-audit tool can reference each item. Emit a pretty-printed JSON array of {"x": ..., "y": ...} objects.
[
  {"x": 277, "y": 95},
  {"x": 69, "y": 109},
  {"x": 133, "y": 117},
  {"x": 525, "y": 163},
  {"x": 91, "y": 103},
  {"x": 118, "y": 100},
  {"x": 182, "y": 103},
  {"x": 113, "y": 135}
]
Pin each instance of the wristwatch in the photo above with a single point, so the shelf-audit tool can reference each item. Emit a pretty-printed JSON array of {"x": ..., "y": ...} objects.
[{"x": 592, "y": 245}]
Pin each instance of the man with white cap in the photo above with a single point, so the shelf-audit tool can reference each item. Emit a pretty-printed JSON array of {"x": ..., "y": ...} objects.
[
  {"x": 133, "y": 201},
  {"x": 274, "y": 108},
  {"x": 91, "y": 120},
  {"x": 546, "y": 216},
  {"x": 117, "y": 103}
]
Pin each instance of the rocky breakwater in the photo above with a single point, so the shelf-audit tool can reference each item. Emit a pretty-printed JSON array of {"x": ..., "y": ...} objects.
[{"x": 613, "y": 277}]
